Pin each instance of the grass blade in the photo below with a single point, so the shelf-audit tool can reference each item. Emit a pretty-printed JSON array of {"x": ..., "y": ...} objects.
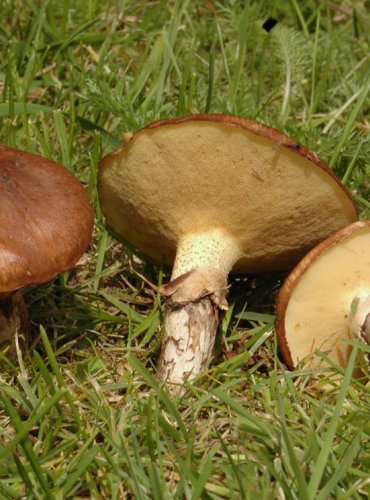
[
  {"x": 320, "y": 465},
  {"x": 294, "y": 462},
  {"x": 23, "y": 428},
  {"x": 350, "y": 454},
  {"x": 167, "y": 401},
  {"x": 27, "y": 448}
]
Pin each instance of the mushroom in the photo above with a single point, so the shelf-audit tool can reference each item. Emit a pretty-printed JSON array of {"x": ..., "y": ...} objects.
[
  {"x": 45, "y": 225},
  {"x": 208, "y": 194},
  {"x": 316, "y": 306}
]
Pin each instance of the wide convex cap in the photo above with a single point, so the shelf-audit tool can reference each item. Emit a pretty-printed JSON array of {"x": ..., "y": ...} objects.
[
  {"x": 45, "y": 219},
  {"x": 192, "y": 174}
]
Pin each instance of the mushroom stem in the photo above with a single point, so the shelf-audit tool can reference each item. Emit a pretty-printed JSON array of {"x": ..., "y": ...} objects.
[
  {"x": 13, "y": 318},
  {"x": 360, "y": 323},
  {"x": 195, "y": 297}
]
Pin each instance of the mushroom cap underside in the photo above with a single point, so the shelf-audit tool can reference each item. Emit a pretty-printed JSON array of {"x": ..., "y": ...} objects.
[
  {"x": 314, "y": 304},
  {"x": 183, "y": 176},
  {"x": 45, "y": 219}
]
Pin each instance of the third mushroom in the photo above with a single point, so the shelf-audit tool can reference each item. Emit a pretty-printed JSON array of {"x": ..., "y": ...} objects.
[
  {"x": 211, "y": 194},
  {"x": 325, "y": 300}
]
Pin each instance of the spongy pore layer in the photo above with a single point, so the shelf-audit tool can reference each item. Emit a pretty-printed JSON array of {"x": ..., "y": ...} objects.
[
  {"x": 190, "y": 176},
  {"x": 315, "y": 304}
]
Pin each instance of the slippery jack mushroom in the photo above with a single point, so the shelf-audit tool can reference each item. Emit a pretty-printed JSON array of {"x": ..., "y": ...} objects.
[
  {"x": 45, "y": 226},
  {"x": 210, "y": 194},
  {"x": 326, "y": 299}
]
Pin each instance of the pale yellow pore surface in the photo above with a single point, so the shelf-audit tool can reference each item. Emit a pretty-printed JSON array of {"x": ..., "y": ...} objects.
[
  {"x": 188, "y": 178},
  {"x": 318, "y": 313}
]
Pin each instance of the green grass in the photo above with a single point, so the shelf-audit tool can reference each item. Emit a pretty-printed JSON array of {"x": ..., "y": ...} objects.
[{"x": 82, "y": 414}]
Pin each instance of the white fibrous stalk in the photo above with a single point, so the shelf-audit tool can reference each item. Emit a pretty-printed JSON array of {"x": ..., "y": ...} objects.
[
  {"x": 360, "y": 324},
  {"x": 194, "y": 298}
]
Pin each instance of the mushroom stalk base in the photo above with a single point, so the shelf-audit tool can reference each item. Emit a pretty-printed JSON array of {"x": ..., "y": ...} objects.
[
  {"x": 13, "y": 319},
  {"x": 194, "y": 300}
]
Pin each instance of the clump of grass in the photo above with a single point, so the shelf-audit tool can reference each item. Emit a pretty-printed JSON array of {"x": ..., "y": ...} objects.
[{"x": 81, "y": 414}]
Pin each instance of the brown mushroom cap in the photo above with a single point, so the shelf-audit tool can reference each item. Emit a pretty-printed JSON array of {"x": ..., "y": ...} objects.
[
  {"x": 187, "y": 175},
  {"x": 45, "y": 219},
  {"x": 314, "y": 304}
]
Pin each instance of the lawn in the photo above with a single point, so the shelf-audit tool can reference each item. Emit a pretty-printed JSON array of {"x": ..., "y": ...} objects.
[{"x": 82, "y": 414}]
